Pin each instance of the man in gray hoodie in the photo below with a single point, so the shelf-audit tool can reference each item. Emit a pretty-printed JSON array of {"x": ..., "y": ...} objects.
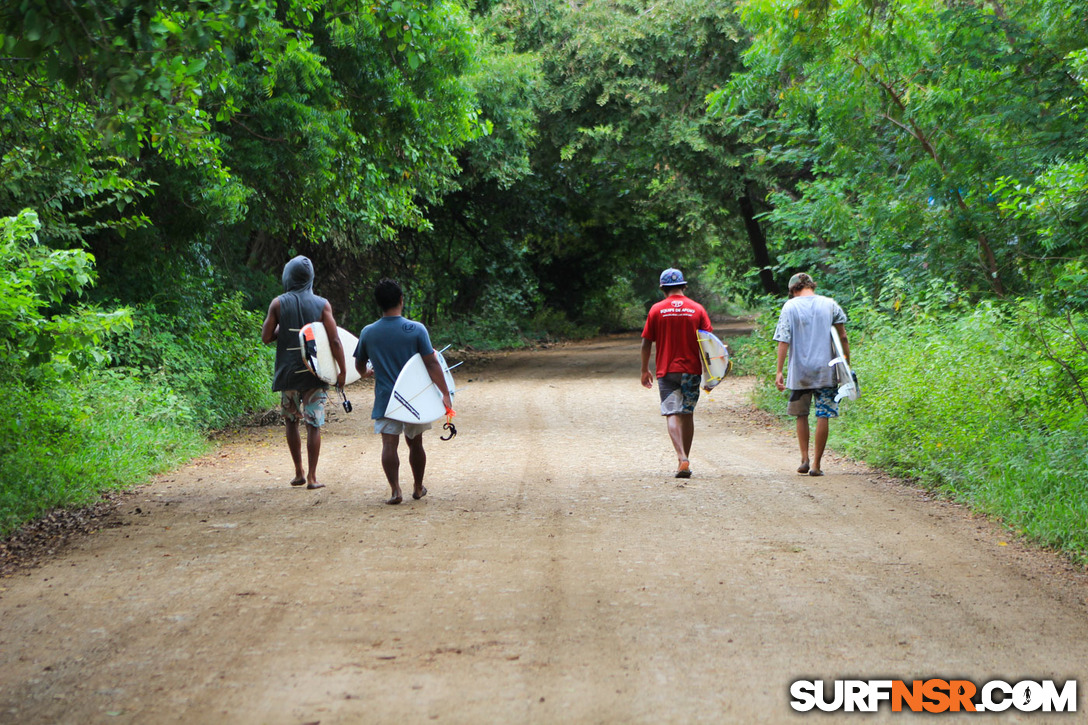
[
  {"x": 302, "y": 394},
  {"x": 804, "y": 333}
]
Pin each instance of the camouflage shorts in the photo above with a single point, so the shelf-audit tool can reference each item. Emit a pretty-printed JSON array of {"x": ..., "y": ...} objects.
[
  {"x": 801, "y": 402},
  {"x": 679, "y": 393},
  {"x": 305, "y": 405}
]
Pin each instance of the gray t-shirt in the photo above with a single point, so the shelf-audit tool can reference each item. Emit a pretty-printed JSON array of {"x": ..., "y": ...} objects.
[
  {"x": 805, "y": 324},
  {"x": 389, "y": 343}
]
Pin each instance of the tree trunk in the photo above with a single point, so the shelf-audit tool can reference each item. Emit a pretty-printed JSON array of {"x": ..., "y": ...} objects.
[{"x": 759, "y": 244}]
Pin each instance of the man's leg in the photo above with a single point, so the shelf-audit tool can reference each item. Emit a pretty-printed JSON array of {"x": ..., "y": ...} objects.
[
  {"x": 681, "y": 431},
  {"x": 677, "y": 405},
  {"x": 677, "y": 424},
  {"x": 822, "y": 427},
  {"x": 802, "y": 441},
  {"x": 313, "y": 452},
  {"x": 800, "y": 406},
  {"x": 417, "y": 459},
  {"x": 391, "y": 465},
  {"x": 687, "y": 423},
  {"x": 826, "y": 409},
  {"x": 294, "y": 444}
]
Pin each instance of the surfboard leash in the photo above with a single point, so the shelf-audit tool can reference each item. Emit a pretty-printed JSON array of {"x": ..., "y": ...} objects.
[
  {"x": 448, "y": 425},
  {"x": 344, "y": 399}
]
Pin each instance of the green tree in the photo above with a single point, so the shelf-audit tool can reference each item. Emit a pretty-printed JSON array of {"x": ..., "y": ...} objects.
[
  {"x": 900, "y": 119},
  {"x": 36, "y": 341}
]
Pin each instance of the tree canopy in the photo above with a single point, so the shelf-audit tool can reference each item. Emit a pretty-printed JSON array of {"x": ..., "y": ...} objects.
[
  {"x": 920, "y": 134},
  {"x": 548, "y": 159}
]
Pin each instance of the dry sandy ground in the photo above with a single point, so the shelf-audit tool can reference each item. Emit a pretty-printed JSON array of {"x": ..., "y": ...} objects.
[{"x": 556, "y": 573}]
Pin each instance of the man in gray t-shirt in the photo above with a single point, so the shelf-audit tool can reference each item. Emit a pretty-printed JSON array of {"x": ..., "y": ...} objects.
[{"x": 804, "y": 333}]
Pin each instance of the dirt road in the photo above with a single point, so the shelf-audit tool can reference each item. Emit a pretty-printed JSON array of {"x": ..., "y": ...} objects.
[{"x": 556, "y": 573}]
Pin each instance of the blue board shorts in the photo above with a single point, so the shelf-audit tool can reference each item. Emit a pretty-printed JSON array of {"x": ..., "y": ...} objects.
[
  {"x": 305, "y": 405},
  {"x": 679, "y": 393},
  {"x": 801, "y": 402}
]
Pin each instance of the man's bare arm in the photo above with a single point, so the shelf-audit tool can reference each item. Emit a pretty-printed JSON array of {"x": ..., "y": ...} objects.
[
  {"x": 434, "y": 369},
  {"x": 779, "y": 381},
  {"x": 646, "y": 376},
  {"x": 333, "y": 333},
  {"x": 270, "y": 330}
]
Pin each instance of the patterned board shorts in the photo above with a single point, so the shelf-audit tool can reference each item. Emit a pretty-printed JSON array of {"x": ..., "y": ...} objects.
[
  {"x": 679, "y": 393},
  {"x": 307, "y": 405},
  {"x": 801, "y": 400}
]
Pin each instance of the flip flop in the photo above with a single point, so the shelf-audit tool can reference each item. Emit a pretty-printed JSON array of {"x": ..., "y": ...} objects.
[
  {"x": 685, "y": 470},
  {"x": 814, "y": 472},
  {"x": 420, "y": 495},
  {"x": 803, "y": 468}
]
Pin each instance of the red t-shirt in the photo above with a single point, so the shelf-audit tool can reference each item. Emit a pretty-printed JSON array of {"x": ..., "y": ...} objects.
[{"x": 671, "y": 326}]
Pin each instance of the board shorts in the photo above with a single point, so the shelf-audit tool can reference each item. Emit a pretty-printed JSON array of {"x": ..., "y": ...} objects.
[
  {"x": 305, "y": 405},
  {"x": 679, "y": 393},
  {"x": 396, "y": 427},
  {"x": 801, "y": 401}
]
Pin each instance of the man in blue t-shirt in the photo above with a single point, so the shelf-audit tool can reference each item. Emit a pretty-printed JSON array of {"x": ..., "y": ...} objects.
[{"x": 388, "y": 344}]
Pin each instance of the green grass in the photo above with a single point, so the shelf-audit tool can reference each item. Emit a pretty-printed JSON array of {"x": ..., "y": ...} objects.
[{"x": 65, "y": 444}]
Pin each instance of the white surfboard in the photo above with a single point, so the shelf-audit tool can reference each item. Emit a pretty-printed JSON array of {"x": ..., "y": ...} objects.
[
  {"x": 317, "y": 354},
  {"x": 848, "y": 381},
  {"x": 716, "y": 362},
  {"x": 415, "y": 398}
]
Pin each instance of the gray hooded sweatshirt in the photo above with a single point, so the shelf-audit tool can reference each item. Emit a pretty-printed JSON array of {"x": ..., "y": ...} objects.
[{"x": 298, "y": 306}]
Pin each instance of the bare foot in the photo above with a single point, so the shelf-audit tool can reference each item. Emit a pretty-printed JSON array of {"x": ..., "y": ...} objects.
[
  {"x": 298, "y": 480},
  {"x": 803, "y": 468},
  {"x": 394, "y": 501},
  {"x": 420, "y": 493},
  {"x": 314, "y": 484}
]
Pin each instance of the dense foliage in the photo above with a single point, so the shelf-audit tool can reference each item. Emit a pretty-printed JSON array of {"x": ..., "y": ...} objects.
[{"x": 937, "y": 139}]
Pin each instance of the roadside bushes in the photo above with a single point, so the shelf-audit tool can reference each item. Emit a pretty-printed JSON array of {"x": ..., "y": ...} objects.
[
  {"x": 214, "y": 361},
  {"x": 983, "y": 405},
  {"x": 97, "y": 399},
  {"x": 64, "y": 443}
]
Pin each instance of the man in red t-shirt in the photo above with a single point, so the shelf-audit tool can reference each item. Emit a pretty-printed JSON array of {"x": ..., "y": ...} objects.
[{"x": 672, "y": 324}]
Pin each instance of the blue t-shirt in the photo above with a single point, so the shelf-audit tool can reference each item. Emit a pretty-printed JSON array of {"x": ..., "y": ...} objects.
[{"x": 389, "y": 343}]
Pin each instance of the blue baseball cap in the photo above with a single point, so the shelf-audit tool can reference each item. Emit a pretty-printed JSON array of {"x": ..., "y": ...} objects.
[{"x": 672, "y": 278}]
